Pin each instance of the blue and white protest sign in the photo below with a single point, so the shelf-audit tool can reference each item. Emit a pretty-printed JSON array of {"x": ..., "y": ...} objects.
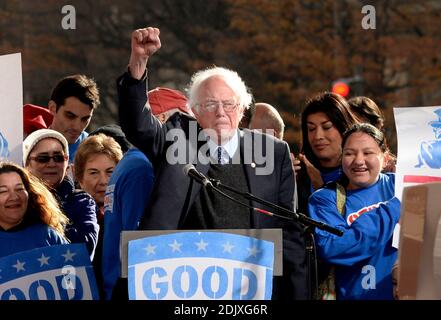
[
  {"x": 11, "y": 108},
  {"x": 419, "y": 146},
  {"x": 59, "y": 272},
  {"x": 200, "y": 265}
]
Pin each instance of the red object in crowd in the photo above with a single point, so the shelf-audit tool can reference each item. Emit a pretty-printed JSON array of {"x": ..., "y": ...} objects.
[
  {"x": 35, "y": 117},
  {"x": 164, "y": 99},
  {"x": 341, "y": 88}
]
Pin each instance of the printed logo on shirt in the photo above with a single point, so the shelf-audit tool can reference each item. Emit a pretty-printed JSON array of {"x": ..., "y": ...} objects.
[
  {"x": 355, "y": 215},
  {"x": 108, "y": 198}
]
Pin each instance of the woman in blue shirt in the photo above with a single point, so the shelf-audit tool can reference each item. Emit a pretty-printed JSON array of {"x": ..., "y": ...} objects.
[
  {"x": 363, "y": 206},
  {"x": 29, "y": 214}
]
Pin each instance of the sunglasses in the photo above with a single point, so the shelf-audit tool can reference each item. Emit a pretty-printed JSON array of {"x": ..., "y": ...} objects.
[{"x": 58, "y": 158}]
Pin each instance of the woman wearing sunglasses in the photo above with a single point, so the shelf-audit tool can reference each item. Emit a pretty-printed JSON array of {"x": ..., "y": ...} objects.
[{"x": 45, "y": 155}]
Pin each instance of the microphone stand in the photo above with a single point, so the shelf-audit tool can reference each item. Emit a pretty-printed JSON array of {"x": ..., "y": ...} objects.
[{"x": 216, "y": 185}]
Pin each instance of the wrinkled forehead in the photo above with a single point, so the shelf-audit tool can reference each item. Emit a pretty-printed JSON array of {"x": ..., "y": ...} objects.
[
  {"x": 48, "y": 144},
  {"x": 215, "y": 87}
]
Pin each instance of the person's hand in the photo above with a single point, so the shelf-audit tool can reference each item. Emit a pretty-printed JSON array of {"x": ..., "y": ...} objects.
[
  {"x": 395, "y": 281},
  {"x": 145, "y": 42},
  {"x": 390, "y": 162},
  {"x": 295, "y": 163},
  {"x": 313, "y": 172}
]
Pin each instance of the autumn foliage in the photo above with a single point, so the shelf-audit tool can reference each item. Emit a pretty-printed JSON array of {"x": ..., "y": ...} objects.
[{"x": 286, "y": 50}]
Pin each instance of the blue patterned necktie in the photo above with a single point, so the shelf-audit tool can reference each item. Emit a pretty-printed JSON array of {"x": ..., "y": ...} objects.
[{"x": 219, "y": 155}]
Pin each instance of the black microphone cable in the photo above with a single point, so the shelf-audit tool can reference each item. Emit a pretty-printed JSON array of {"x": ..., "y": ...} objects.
[{"x": 262, "y": 211}]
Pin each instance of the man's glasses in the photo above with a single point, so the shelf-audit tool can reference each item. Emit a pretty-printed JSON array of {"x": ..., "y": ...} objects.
[
  {"x": 46, "y": 158},
  {"x": 212, "y": 105}
]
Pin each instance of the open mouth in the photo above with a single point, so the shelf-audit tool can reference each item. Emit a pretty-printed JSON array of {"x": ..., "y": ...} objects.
[
  {"x": 13, "y": 206},
  {"x": 359, "y": 170}
]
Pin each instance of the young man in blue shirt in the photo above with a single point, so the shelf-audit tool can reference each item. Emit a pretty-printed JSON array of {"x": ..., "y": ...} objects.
[{"x": 72, "y": 103}]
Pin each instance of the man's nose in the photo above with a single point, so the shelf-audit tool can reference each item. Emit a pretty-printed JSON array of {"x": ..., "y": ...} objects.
[
  {"x": 220, "y": 109},
  {"x": 77, "y": 125}
]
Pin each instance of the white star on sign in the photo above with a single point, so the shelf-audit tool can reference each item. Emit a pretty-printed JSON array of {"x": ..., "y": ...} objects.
[
  {"x": 176, "y": 246},
  {"x": 19, "y": 266},
  {"x": 150, "y": 249},
  {"x": 202, "y": 246},
  {"x": 253, "y": 251},
  {"x": 228, "y": 247},
  {"x": 43, "y": 260},
  {"x": 68, "y": 255}
]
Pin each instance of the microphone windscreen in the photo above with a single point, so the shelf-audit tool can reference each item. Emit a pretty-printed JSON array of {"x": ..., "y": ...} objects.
[{"x": 187, "y": 168}]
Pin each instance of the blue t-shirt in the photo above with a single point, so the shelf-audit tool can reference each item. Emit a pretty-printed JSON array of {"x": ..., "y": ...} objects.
[
  {"x": 127, "y": 195},
  {"x": 333, "y": 175},
  {"x": 74, "y": 146},
  {"x": 329, "y": 176},
  {"x": 363, "y": 257},
  {"x": 32, "y": 237}
]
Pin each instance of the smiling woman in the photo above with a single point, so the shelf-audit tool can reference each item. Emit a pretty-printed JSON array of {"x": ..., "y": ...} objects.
[
  {"x": 363, "y": 156},
  {"x": 45, "y": 155},
  {"x": 325, "y": 118},
  {"x": 363, "y": 206},
  {"x": 29, "y": 214}
]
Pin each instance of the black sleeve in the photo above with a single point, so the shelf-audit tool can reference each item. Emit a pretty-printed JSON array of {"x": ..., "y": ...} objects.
[{"x": 140, "y": 126}]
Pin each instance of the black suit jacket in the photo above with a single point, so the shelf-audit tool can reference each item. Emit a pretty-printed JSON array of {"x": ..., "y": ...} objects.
[{"x": 174, "y": 192}]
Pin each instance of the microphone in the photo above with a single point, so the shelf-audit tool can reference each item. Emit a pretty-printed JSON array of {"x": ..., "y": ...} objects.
[{"x": 190, "y": 170}]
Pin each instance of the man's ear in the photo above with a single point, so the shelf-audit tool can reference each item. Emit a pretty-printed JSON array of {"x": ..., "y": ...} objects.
[
  {"x": 52, "y": 107},
  {"x": 195, "y": 111}
]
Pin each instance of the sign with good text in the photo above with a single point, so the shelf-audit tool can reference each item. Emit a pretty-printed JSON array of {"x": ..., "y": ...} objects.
[
  {"x": 200, "y": 266},
  {"x": 60, "y": 272}
]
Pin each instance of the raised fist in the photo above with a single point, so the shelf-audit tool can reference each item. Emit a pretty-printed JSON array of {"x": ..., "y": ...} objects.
[{"x": 145, "y": 42}]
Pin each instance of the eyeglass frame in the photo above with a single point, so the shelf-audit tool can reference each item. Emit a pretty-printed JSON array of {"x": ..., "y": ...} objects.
[
  {"x": 49, "y": 158},
  {"x": 215, "y": 104}
]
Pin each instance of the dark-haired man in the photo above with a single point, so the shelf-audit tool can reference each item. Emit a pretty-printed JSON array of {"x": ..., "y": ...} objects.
[{"x": 72, "y": 103}]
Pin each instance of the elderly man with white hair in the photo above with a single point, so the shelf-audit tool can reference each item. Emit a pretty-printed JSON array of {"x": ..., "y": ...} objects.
[{"x": 218, "y": 98}]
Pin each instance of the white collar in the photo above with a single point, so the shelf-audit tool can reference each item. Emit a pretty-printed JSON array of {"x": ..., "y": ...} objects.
[{"x": 229, "y": 148}]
